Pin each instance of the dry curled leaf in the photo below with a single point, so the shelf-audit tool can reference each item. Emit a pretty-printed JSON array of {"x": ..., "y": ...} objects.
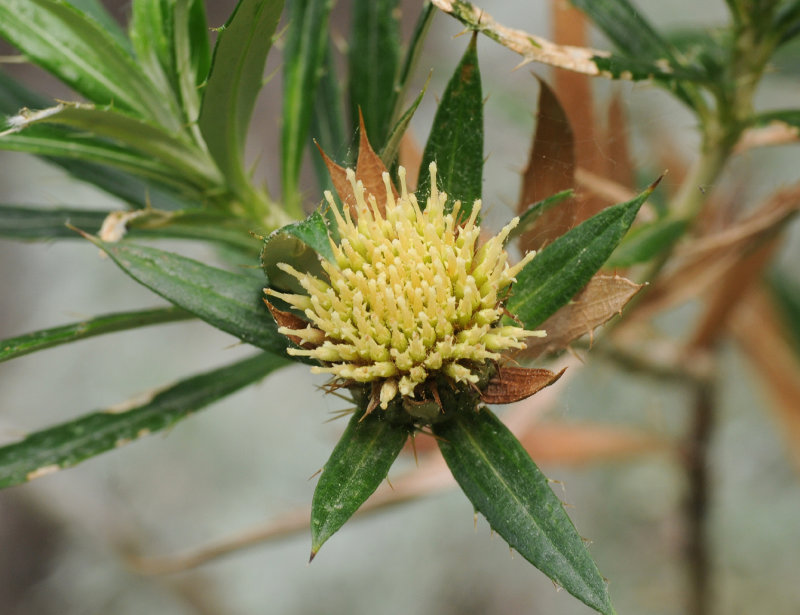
[
  {"x": 370, "y": 168},
  {"x": 512, "y": 384},
  {"x": 290, "y": 321},
  {"x": 759, "y": 332},
  {"x": 369, "y": 171},
  {"x": 551, "y": 169},
  {"x": 531, "y": 47},
  {"x": 601, "y": 299}
]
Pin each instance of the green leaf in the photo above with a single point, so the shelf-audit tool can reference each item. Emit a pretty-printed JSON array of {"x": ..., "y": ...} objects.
[
  {"x": 70, "y": 443},
  {"x": 532, "y": 213},
  {"x": 503, "y": 483},
  {"x": 300, "y": 244},
  {"x": 14, "y": 347},
  {"x": 628, "y": 29},
  {"x": 374, "y": 56},
  {"x": 229, "y": 301},
  {"x": 234, "y": 81},
  {"x": 28, "y": 223},
  {"x": 87, "y": 158},
  {"x": 389, "y": 152},
  {"x": 413, "y": 52},
  {"x": 358, "y": 464},
  {"x": 152, "y": 30},
  {"x": 646, "y": 53},
  {"x": 192, "y": 57},
  {"x": 95, "y": 10},
  {"x": 34, "y": 223},
  {"x": 175, "y": 154},
  {"x": 327, "y": 121},
  {"x": 456, "y": 139},
  {"x": 76, "y": 49},
  {"x": 559, "y": 271},
  {"x": 790, "y": 117},
  {"x": 304, "y": 57},
  {"x": 646, "y": 242},
  {"x": 81, "y": 150}
]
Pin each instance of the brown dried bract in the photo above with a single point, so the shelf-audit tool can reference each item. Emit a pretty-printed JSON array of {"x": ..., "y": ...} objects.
[
  {"x": 290, "y": 321},
  {"x": 369, "y": 170},
  {"x": 515, "y": 383}
]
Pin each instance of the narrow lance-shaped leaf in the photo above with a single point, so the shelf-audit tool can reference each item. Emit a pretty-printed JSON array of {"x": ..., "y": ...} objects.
[
  {"x": 50, "y": 142},
  {"x": 234, "y": 81},
  {"x": 94, "y": 9},
  {"x": 304, "y": 57},
  {"x": 374, "y": 56},
  {"x": 77, "y": 50},
  {"x": 14, "y": 347},
  {"x": 561, "y": 269},
  {"x": 358, "y": 464},
  {"x": 456, "y": 139},
  {"x": 151, "y": 30},
  {"x": 532, "y": 213},
  {"x": 392, "y": 147},
  {"x": 327, "y": 120},
  {"x": 647, "y": 54},
  {"x": 647, "y": 242},
  {"x": 173, "y": 152},
  {"x": 551, "y": 168},
  {"x": 503, "y": 483},
  {"x": 415, "y": 45},
  {"x": 70, "y": 443},
  {"x": 229, "y": 301},
  {"x": 192, "y": 58}
]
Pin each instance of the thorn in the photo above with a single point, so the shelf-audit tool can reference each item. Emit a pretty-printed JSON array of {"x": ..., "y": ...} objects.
[
  {"x": 313, "y": 555},
  {"x": 317, "y": 473}
]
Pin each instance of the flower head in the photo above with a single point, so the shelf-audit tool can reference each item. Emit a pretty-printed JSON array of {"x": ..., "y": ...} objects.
[{"x": 411, "y": 293}]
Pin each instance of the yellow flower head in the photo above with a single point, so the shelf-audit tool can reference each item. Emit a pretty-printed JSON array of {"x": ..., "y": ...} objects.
[{"x": 410, "y": 293}]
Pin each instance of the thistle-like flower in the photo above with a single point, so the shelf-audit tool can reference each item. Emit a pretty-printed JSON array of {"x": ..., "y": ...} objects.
[{"x": 411, "y": 293}]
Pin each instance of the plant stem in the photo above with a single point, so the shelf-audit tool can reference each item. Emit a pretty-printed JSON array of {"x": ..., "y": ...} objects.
[{"x": 698, "y": 548}]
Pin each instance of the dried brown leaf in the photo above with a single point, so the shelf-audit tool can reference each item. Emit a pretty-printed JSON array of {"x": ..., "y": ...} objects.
[
  {"x": 370, "y": 168},
  {"x": 531, "y": 47},
  {"x": 618, "y": 163},
  {"x": 290, "y": 321},
  {"x": 551, "y": 168},
  {"x": 340, "y": 183},
  {"x": 410, "y": 156},
  {"x": 588, "y": 443},
  {"x": 601, "y": 299},
  {"x": 512, "y": 384},
  {"x": 774, "y": 133},
  {"x": 760, "y": 333},
  {"x": 725, "y": 296},
  {"x": 701, "y": 264},
  {"x": 574, "y": 90}
]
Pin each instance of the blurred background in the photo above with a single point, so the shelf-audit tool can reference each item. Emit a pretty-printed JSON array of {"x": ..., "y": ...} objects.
[{"x": 64, "y": 538}]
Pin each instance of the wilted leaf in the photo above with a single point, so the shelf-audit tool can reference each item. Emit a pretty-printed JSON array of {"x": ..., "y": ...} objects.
[
  {"x": 759, "y": 333},
  {"x": 370, "y": 168},
  {"x": 512, "y": 384},
  {"x": 703, "y": 262},
  {"x": 723, "y": 298},
  {"x": 574, "y": 90},
  {"x": 585, "y": 443},
  {"x": 288, "y": 320},
  {"x": 551, "y": 169},
  {"x": 602, "y": 298}
]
